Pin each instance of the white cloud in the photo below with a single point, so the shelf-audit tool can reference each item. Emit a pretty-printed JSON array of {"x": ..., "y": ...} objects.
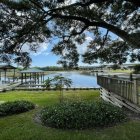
[{"x": 42, "y": 49}]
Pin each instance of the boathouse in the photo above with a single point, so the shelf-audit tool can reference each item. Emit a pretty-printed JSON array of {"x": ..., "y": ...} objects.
[
  {"x": 4, "y": 69},
  {"x": 32, "y": 76}
]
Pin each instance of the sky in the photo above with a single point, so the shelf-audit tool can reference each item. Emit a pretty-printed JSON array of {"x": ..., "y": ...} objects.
[{"x": 44, "y": 56}]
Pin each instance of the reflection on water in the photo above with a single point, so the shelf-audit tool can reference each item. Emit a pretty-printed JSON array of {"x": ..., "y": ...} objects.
[{"x": 79, "y": 80}]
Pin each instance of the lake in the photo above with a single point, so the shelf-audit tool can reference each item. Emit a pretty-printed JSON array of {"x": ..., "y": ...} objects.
[{"x": 78, "y": 79}]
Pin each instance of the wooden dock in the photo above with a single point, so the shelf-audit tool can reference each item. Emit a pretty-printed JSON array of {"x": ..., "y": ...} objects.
[
  {"x": 41, "y": 87},
  {"x": 121, "y": 92},
  {"x": 7, "y": 87}
]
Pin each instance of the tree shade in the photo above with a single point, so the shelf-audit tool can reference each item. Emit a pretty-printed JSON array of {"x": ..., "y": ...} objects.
[{"x": 29, "y": 23}]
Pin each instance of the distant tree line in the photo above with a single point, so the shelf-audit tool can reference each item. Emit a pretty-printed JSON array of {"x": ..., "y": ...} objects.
[
  {"x": 82, "y": 68},
  {"x": 51, "y": 68}
]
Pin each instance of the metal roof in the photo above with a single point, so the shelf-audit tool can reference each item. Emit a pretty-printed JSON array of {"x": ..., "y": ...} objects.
[
  {"x": 7, "y": 67},
  {"x": 32, "y": 71}
]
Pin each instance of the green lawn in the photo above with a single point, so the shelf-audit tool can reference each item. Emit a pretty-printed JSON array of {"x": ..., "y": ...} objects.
[
  {"x": 121, "y": 71},
  {"x": 23, "y": 126}
]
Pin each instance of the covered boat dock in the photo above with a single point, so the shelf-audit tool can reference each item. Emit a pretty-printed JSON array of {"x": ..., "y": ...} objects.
[
  {"x": 32, "y": 76},
  {"x": 5, "y": 68}
]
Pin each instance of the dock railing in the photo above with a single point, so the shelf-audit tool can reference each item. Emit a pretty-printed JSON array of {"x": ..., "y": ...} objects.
[{"x": 122, "y": 87}]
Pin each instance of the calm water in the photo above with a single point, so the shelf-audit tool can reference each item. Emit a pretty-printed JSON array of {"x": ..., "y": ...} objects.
[{"x": 79, "y": 80}]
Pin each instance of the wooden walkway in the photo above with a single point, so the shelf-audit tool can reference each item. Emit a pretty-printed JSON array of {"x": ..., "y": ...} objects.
[
  {"x": 120, "y": 91},
  {"x": 7, "y": 87},
  {"x": 25, "y": 86},
  {"x": 41, "y": 87}
]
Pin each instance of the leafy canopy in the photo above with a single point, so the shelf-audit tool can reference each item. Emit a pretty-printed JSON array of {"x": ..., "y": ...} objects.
[{"x": 25, "y": 24}]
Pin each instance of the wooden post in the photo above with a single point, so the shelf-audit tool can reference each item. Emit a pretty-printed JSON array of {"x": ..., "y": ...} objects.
[
  {"x": 5, "y": 75},
  {"x": 30, "y": 79},
  {"x": 35, "y": 78},
  {"x": 43, "y": 77},
  {"x": 38, "y": 77},
  {"x": 14, "y": 76},
  {"x": 25, "y": 77},
  {"x": 30, "y": 76},
  {"x": 0, "y": 75},
  {"x": 135, "y": 92},
  {"x": 21, "y": 78},
  {"x": 121, "y": 89},
  {"x": 131, "y": 77}
]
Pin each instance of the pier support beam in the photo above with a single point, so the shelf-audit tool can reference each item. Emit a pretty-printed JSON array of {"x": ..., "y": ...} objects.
[
  {"x": 5, "y": 76},
  {"x": 0, "y": 75}
]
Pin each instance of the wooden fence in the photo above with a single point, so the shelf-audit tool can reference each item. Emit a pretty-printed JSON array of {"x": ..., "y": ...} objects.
[{"x": 122, "y": 87}]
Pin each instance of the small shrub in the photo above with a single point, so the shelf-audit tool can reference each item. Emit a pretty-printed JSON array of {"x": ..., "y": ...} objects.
[
  {"x": 15, "y": 107},
  {"x": 81, "y": 115}
]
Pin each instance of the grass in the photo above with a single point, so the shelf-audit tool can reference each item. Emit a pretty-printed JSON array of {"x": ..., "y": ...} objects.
[
  {"x": 44, "y": 98},
  {"x": 121, "y": 71},
  {"x": 23, "y": 126}
]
